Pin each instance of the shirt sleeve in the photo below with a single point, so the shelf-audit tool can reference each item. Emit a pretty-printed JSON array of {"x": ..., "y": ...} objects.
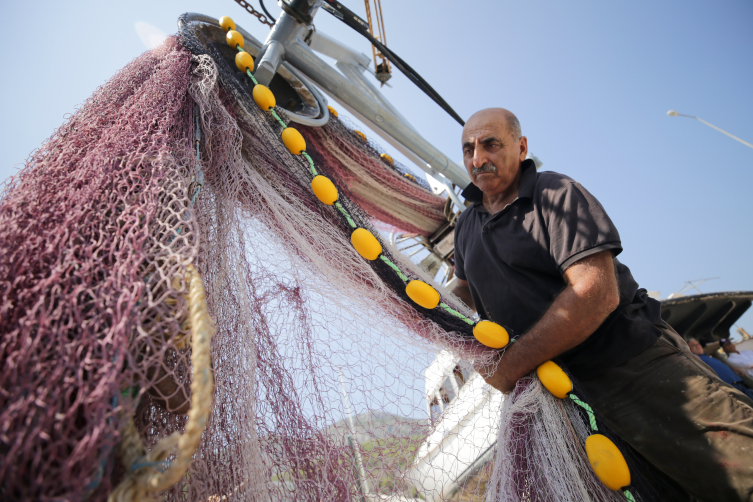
[
  {"x": 578, "y": 227},
  {"x": 459, "y": 263},
  {"x": 739, "y": 361}
]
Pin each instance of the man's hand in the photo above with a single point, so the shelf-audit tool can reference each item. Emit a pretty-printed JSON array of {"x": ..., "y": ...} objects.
[
  {"x": 590, "y": 296},
  {"x": 495, "y": 375}
]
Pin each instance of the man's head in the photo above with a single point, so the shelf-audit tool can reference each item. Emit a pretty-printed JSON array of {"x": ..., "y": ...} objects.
[
  {"x": 695, "y": 346},
  {"x": 493, "y": 149},
  {"x": 728, "y": 346}
]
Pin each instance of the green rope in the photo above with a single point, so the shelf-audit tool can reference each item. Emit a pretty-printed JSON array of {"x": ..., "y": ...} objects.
[
  {"x": 456, "y": 313},
  {"x": 394, "y": 267},
  {"x": 629, "y": 496},
  {"x": 311, "y": 163},
  {"x": 345, "y": 213},
  {"x": 251, "y": 75},
  {"x": 588, "y": 409},
  {"x": 274, "y": 114}
]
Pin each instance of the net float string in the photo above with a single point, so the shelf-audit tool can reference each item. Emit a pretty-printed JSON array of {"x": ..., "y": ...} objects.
[{"x": 605, "y": 458}]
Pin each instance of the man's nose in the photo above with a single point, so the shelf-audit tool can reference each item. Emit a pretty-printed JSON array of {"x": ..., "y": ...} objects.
[{"x": 479, "y": 159}]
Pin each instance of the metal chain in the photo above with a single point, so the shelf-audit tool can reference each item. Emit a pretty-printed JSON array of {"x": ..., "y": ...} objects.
[{"x": 262, "y": 18}]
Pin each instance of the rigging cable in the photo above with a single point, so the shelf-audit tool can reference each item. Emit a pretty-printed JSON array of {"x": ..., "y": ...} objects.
[
  {"x": 349, "y": 18},
  {"x": 270, "y": 16}
]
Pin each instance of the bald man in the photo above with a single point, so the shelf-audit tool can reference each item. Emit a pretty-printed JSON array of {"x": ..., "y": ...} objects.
[{"x": 536, "y": 253}]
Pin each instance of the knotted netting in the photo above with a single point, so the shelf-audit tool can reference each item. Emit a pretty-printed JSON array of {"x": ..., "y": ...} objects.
[{"x": 169, "y": 180}]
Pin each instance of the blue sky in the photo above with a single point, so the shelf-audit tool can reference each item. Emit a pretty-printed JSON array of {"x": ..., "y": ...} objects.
[{"x": 590, "y": 81}]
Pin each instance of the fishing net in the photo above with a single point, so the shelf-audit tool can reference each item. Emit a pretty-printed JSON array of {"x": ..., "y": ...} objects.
[{"x": 324, "y": 381}]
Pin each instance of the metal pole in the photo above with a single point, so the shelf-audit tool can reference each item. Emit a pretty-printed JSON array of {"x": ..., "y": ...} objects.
[
  {"x": 673, "y": 113},
  {"x": 346, "y": 92},
  {"x": 362, "y": 483}
]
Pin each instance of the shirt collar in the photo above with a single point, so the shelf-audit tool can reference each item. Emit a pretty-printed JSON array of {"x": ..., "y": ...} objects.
[{"x": 525, "y": 190}]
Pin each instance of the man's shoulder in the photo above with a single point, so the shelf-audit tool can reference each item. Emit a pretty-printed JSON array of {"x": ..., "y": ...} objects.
[
  {"x": 550, "y": 181},
  {"x": 710, "y": 360}
]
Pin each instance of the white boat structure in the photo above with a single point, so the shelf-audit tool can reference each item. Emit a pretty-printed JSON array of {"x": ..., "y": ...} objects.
[{"x": 465, "y": 413}]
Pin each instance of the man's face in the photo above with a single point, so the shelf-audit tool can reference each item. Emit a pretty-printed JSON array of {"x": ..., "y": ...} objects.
[
  {"x": 729, "y": 348},
  {"x": 695, "y": 347},
  {"x": 491, "y": 154}
]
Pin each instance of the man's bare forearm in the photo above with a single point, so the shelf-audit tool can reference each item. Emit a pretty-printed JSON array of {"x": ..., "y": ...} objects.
[
  {"x": 463, "y": 291},
  {"x": 590, "y": 296}
]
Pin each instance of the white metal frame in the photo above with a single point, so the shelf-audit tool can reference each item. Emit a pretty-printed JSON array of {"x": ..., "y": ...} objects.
[{"x": 353, "y": 91}]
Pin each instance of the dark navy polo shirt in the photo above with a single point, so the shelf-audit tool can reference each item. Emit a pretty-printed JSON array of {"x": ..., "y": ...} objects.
[{"x": 514, "y": 263}]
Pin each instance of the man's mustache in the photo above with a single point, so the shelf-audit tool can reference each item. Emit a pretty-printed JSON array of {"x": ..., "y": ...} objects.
[{"x": 484, "y": 168}]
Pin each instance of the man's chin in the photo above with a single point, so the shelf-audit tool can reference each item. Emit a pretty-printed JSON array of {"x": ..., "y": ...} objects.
[{"x": 482, "y": 180}]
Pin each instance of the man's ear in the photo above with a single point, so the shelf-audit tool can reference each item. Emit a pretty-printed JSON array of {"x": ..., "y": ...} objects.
[{"x": 523, "y": 148}]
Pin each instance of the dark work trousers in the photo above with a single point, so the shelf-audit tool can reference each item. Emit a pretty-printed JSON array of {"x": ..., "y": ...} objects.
[{"x": 674, "y": 410}]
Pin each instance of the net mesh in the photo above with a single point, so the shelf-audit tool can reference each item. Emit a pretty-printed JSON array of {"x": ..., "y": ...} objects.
[{"x": 327, "y": 383}]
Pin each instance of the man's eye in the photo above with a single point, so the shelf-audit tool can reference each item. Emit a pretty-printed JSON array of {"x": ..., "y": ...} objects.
[
  {"x": 493, "y": 146},
  {"x": 467, "y": 151}
]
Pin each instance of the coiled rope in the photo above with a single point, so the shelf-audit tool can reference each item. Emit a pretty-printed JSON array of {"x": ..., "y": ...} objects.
[{"x": 149, "y": 472}]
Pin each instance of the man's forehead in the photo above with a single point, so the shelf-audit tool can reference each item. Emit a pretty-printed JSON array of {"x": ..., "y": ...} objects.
[
  {"x": 483, "y": 132},
  {"x": 485, "y": 124}
]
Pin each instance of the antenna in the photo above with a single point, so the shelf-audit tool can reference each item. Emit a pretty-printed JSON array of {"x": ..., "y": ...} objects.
[
  {"x": 692, "y": 284},
  {"x": 381, "y": 64}
]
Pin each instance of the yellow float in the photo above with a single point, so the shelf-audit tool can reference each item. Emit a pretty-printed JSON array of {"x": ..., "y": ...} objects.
[
  {"x": 422, "y": 294},
  {"x": 554, "y": 379},
  {"x": 366, "y": 244},
  {"x": 234, "y": 39},
  {"x": 607, "y": 462},
  {"x": 263, "y": 97},
  {"x": 244, "y": 61},
  {"x": 325, "y": 190},
  {"x": 491, "y": 334},
  {"x": 293, "y": 140},
  {"x": 226, "y": 23}
]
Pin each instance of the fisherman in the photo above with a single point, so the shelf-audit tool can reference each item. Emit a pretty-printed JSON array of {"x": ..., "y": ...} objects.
[
  {"x": 722, "y": 370},
  {"x": 740, "y": 360},
  {"x": 536, "y": 252}
]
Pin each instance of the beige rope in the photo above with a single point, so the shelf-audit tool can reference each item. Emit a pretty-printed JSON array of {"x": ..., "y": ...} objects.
[{"x": 145, "y": 482}]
